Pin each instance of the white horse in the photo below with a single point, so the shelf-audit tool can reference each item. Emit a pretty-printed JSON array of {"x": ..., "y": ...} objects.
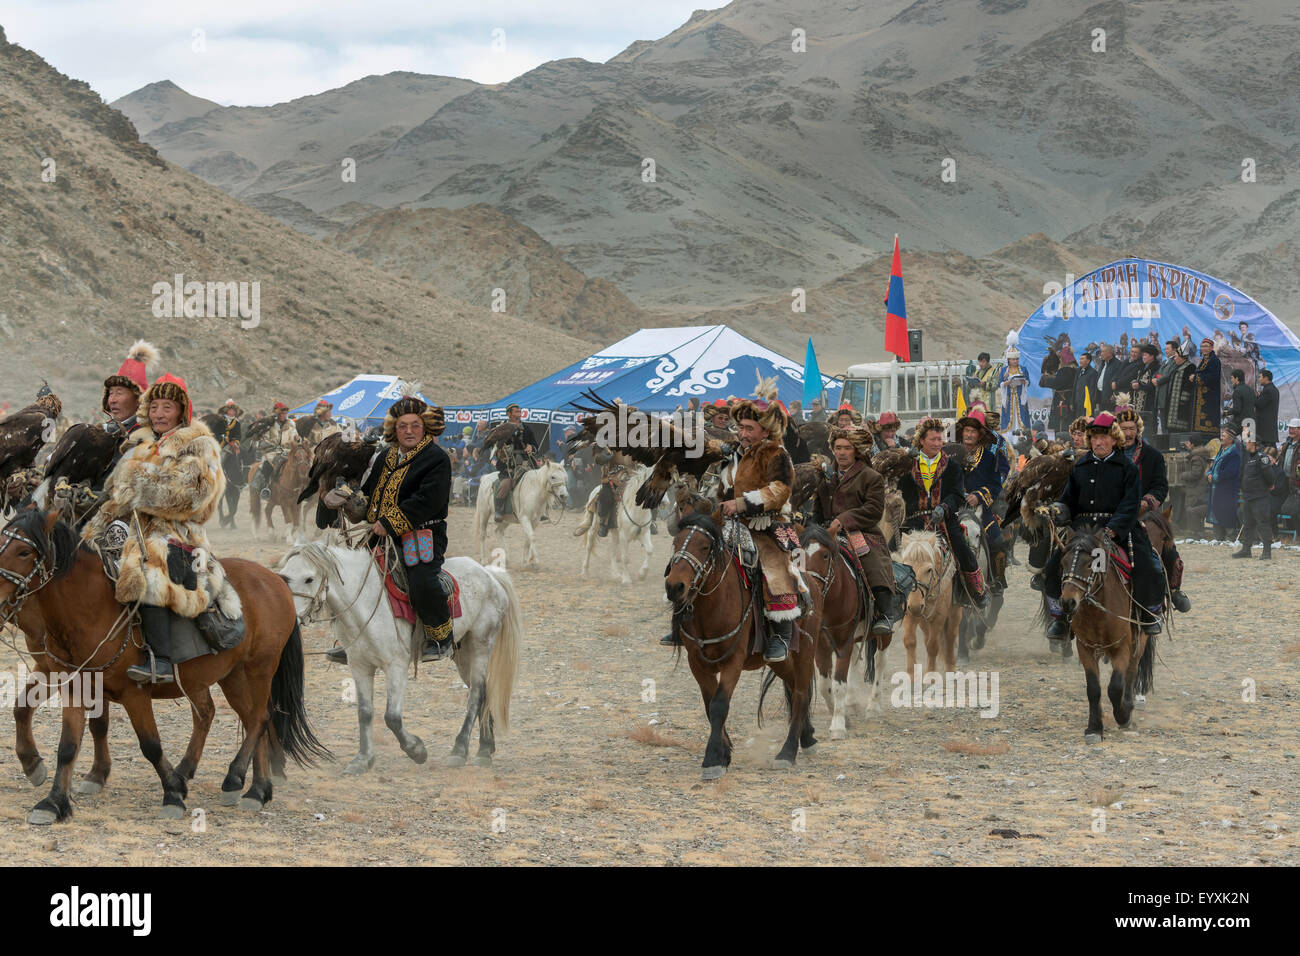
[
  {"x": 347, "y": 585},
  {"x": 535, "y": 493},
  {"x": 631, "y": 524}
]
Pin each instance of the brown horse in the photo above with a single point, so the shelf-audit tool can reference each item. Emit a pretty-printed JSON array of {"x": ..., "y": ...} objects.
[
  {"x": 1091, "y": 599},
  {"x": 285, "y": 489},
  {"x": 713, "y": 610},
  {"x": 932, "y": 606},
  {"x": 86, "y": 632}
]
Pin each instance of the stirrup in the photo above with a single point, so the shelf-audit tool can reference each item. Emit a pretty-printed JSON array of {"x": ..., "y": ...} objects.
[
  {"x": 670, "y": 639},
  {"x": 154, "y": 673},
  {"x": 337, "y": 655},
  {"x": 883, "y": 624},
  {"x": 436, "y": 650}
]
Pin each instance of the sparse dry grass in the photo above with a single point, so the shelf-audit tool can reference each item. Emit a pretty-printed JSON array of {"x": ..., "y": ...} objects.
[{"x": 652, "y": 737}]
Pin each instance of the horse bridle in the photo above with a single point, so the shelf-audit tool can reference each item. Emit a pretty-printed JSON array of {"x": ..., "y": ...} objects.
[
  {"x": 702, "y": 571},
  {"x": 21, "y": 590}
]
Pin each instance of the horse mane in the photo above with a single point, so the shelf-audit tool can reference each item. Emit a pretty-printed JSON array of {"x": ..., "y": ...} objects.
[
  {"x": 815, "y": 532},
  {"x": 913, "y": 541},
  {"x": 59, "y": 548}
]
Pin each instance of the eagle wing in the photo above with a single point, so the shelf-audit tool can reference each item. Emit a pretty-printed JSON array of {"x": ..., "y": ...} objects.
[
  {"x": 892, "y": 463},
  {"x": 675, "y": 464},
  {"x": 658, "y": 436},
  {"x": 335, "y": 460},
  {"x": 82, "y": 453},
  {"x": 808, "y": 477},
  {"x": 1041, "y": 480},
  {"x": 21, "y": 436}
]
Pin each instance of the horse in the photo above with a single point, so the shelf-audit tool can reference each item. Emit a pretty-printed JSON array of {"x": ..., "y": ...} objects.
[
  {"x": 1090, "y": 597},
  {"x": 975, "y": 625},
  {"x": 630, "y": 524},
  {"x": 348, "y": 585},
  {"x": 932, "y": 605},
  {"x": 845, "y": 611},
  {"x": 81, "y": 623},
  {"x": 706, "y": 588},
  {"x": 531, "y": 497},
  {"x": 285, "y": 489}
]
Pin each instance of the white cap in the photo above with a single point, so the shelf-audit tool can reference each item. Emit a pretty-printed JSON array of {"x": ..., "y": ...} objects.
[{"x": 1293, "y": 423}]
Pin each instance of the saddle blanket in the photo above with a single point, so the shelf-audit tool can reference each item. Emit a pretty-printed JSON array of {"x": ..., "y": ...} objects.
[{"x": 401, "y": 602}]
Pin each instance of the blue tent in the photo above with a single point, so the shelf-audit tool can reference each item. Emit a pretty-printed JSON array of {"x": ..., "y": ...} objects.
[
  {"x": 656, "y": 370},
  {"x": 1139, "y": 300},
  {"x": 364, "y": 400}
]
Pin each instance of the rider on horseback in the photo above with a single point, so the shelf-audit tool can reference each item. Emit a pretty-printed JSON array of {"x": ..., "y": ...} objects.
[
  {"x": 275, "y": 445},
  {"x": 855, "y": 502},
  {"x": 1154, "y": 485},
  {"x": 160, "y": 495},
  {"x": 932, "y": 494},
  {"x": 232, "y": 431},
  {"x": 408, "y": 495},
  {"x": 612, "y": 473},
  {"x": 324, "y": 425},
  {"x": 984, "y": 470},
  {"x": 1104, "y": 488},
  {"x": 756, "y": 483},
  {"x": 513, "y": 459}
]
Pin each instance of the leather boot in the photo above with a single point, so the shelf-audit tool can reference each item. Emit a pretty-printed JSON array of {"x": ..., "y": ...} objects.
[
  {"x": 1181, "y": 602},
  {"x": 1151, "y": 620},
  {"x": 1243, "y": 553},
  {"x": 975, "y": 584},
  {"x": 1058, "y": 630},
  {"x": 672, "y": 639},
  {"x": 156, "y": 623},
  {"x": 999, "y": 568},
  {"x": 778, "y": 641},
  {"x": 882, "y": 621},
  {"x": 1267, "y": 554},
  {"x": 436, "y": 650},
  {"x": 336, "y": 655}
]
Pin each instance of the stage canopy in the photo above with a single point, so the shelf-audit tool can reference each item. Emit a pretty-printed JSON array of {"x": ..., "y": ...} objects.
[
  {"x": 364, "y": 400},
  {"x": 1139, "y": 300},
  {"x": 656, "y": 370}
]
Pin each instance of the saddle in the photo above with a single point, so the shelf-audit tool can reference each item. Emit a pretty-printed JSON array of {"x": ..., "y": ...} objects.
[{"x": 399, "y": 595}]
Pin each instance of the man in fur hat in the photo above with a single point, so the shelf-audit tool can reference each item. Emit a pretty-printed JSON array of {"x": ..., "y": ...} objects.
[
  {"x": 854, "y": 500},
  {"x": 232, "y": 432},
  {"x": 514, "y": 457},
  {"x": 1153, "y": 484},
  {"x": 1207, "y": 396},
  {"x": 1144, "y": 386},
  {"x": 756, "y": 484},
  {"x": 984, "y": 470},
  {"x": 932, "y": 493},
  {"x": 887, "y": 431},
  {"x": 275, "y": 445},
  {"x": 324, "y": 425},
  {"x": 121, "y": 402},
  {"x": 1104, "y": 489},
  {"x": 159, "y": 496},
  {"x": 406, "y": 499}
]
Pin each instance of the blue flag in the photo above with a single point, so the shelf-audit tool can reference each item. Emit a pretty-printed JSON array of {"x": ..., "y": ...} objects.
[{"x": 812, "y": 377}]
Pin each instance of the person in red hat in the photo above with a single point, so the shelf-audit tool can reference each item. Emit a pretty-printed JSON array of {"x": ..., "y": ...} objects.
[
  {"x": 1104, "y": 489},
  {"x": 324, "y": 425},
  {"x": 887, "y": 431},
  {"x": 274, "y": 448},
  {"x": 984, "y": 470},
  {"x": 122, "y": 390},
  {"x": 717, "y": 423},
  {"x": 158, "y": 499}
]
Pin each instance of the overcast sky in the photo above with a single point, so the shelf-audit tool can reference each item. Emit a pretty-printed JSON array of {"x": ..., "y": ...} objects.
[{"x": 256, "y": 52}]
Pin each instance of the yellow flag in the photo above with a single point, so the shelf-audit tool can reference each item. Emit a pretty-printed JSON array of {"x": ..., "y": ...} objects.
[
  {"x": 1087, "y": 403},
  {"x": 961, "y": 404}
]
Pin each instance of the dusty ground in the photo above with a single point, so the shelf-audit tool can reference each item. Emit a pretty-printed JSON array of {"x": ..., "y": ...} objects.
[{"x": 584, "y": 777}]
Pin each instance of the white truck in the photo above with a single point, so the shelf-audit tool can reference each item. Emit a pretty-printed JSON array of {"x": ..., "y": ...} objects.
[{"x": 913, "y": 390}]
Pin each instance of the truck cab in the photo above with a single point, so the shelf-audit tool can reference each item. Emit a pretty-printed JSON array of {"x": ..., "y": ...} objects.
[{"x": 914, "y": 390}]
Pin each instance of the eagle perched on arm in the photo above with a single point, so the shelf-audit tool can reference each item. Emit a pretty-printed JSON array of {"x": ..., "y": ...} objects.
[
  {"x": 24, "y": 432},
  {"x": 1041, "y": 481},
  {"x": 335, "y": 461},
  {"x": 671, "y": 452}
]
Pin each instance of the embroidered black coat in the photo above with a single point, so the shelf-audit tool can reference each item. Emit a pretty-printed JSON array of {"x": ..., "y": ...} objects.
[
  {"x": 407, "y": 495},
  {"x": 945, "y": 489},
  {"x": 1111, "y": 487}
]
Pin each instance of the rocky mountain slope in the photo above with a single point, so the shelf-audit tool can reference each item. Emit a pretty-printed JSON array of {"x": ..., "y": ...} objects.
[{"x": 81, "y": 249}]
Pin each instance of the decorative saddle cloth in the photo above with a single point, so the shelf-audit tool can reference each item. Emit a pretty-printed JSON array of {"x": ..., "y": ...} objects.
[{"x": 399, "y": 595}]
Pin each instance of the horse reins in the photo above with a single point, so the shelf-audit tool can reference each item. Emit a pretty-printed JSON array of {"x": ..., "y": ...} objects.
[{"x": 702, "y": 570}]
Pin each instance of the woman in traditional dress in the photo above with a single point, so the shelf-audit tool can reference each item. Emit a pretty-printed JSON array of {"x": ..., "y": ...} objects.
[{"x": 1225, "y": 477}]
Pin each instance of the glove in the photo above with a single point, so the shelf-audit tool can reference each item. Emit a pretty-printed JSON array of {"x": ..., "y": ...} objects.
[
  {"x": 1059, "y": 513},
  {"x": 940, "y": 512}
]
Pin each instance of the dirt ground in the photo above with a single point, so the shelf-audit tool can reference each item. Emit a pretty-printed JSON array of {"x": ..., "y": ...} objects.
[{"x": 593, "y": 773}]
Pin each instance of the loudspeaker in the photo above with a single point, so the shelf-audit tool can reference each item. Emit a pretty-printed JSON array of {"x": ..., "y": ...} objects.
[{"x": 914, "y": 344}]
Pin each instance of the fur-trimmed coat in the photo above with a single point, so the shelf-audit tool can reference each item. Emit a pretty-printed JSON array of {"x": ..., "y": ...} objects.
[{"x": 172, "y": 484}]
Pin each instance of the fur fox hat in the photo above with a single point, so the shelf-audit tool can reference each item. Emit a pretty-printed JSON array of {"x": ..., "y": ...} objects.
[
  {"x": 859, "y": 437},
  {"x": 411, "y": 404},
  {"x": 173, "y": 388},
  {"x": 926, "y": 425},
  {"x": 1129, "y": 414},
  {"x": 135, "y": 371},
  {"x": 1105, "y": 424},
  {"x": 772, "y": 418}
]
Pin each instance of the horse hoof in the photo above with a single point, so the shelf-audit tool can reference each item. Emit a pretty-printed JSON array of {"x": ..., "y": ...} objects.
[
  {"x": 811, "y": 750},
  {"x": 1140, "y": 702},
  {"x": 783, "y": 763},
  {"x": 358, "y": 765},
  {"x": 42, "y": 817},
  {"x": 483, "y": 760},
  {"x": 1092, "y": 738},
  {"x": 455, "y": 760},
  {"x": 249, "y": 803},
  {"x": 172, "y": 812},
  {"x": 962, "y": 660},
  {"x": 418, "y": 753},
  {"x": 713, "y": 773},
  {"x": 38, "y": 774},
  {"x": 229, "y": 798},
  {"x": 87, "y": 788},
  {"x": 839, "y": 734}
]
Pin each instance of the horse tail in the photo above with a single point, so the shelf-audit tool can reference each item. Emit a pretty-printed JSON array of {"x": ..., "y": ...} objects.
[
  {"x": 1146, "y": 668},
  {"x": 869, "y": 651},
  {"x": 768, "y": 678},
  {"x": 1043, "y": 617},
  {"x": 287, "y": 711},
  {"x": 504, "y": 662}
]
